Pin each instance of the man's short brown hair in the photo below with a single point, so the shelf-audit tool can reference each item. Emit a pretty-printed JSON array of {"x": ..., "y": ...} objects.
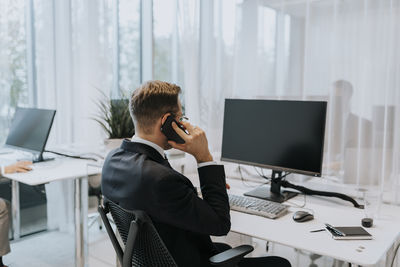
[{"x": 152, "y": 100}]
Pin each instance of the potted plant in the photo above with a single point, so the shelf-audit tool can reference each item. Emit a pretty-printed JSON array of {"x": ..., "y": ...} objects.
[{"x": 116, "y": 120}]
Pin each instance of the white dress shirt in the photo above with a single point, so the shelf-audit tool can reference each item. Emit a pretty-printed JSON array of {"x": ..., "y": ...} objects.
[{"x": 160, "y": 150}]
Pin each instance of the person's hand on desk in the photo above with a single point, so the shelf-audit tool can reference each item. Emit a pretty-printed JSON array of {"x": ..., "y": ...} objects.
[
  {"x": 195, "y": 144},
  {"x": 20, "y": 166}
]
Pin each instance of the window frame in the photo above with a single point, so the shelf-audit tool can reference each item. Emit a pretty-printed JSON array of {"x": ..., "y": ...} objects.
[{"x": 31, "y": 53}]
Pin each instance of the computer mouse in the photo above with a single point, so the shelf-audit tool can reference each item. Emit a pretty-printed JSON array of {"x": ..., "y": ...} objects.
[{"x": 302, "y": 216}]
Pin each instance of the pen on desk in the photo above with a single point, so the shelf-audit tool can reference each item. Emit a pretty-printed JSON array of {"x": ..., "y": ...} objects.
[
  {"x": 319, "y": 230},
  {"x": 333, "y": 229}
]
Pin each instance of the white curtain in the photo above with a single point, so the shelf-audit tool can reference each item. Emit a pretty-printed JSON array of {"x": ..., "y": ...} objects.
[
  {"x": 73, "y": 65},
  {"x": 342, "y": 51}
]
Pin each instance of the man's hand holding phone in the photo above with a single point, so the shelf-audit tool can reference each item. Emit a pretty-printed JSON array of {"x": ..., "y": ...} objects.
[{"x": 195, "y": 144}]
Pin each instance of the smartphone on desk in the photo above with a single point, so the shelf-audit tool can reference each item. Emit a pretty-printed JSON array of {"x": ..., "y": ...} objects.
[{"x": 170, "y": 133}]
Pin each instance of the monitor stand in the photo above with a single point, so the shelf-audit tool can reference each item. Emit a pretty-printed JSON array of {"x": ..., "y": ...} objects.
[
  {"x": 39, "y": 158},
  {"x": 275, "y": 192}
]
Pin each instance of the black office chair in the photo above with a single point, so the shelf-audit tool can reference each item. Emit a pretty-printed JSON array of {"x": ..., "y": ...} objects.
[{"x": 143, "y": 245}]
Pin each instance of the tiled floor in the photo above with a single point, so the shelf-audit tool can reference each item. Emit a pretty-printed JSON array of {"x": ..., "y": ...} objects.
[
  {"x": 101, "y": 251},
  {"x": 50, "y": 249},
  {"x": 45, "y": 249}
]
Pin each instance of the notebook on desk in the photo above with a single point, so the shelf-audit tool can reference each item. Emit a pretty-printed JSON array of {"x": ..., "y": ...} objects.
[{"x": 351, "y": 233}]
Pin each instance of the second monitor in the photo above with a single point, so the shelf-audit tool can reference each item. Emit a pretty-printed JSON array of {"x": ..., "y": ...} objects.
[
  {"x": 30, "y": 129},
  {"x": 285, "y": 136}
]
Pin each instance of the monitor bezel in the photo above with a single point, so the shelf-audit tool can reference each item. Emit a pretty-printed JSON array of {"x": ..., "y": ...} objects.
[
  {"x": 271, "y": 167},
  {"x": 279, "y": 168}
]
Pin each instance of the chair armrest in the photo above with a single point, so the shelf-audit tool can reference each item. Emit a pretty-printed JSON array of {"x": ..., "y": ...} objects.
[{"x": 231, "y": 256}]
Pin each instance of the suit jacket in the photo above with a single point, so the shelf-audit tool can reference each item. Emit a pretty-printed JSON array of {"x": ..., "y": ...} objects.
[{"x": 137, "y": 177}]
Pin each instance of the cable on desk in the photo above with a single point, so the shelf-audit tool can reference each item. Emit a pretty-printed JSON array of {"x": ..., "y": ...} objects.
[
  {"x": 70, "y": 156},
  {"x": 395, "y": 253},
  {"x": 262, "y": 171},
  {"x": 267, "y": 177},
  {"x": 292, "y": 204},
  {"x": 94, "y": 154},
  {"x": 262, "y": 174},
  {"x": 308, "y": 191},
  {"x": 243, "y": 181}
]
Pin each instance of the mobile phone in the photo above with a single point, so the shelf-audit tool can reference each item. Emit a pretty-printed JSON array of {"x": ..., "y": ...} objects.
[{"x": 170, "y": 133}]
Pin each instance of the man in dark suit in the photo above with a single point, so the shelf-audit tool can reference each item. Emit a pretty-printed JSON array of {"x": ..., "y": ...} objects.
[{"x": 138, "y": 177}]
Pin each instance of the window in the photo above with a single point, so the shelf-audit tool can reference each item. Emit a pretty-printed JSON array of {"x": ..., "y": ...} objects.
[
  {"x": 167, "y": 61},
  {"x": 13, "y": 61},
  {"x": 164, "y": 34},
  {"x": 267, "y": 47},
  {"x": 129, "y": 49},
  {"x": 25, "y": 48}
]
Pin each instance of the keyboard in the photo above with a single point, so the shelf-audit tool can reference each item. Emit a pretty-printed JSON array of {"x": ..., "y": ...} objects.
[
  {"x": 255, "y": 206},
  {"x": 6, "y": 150}
]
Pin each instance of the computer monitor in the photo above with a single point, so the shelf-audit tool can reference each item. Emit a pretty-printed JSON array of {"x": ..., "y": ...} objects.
[
  {"x": 30, "y": 129},
  {"x": 285, "y": 136}
]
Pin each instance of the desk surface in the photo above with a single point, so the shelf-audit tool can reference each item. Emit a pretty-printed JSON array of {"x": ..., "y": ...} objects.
[
  {"x": 285, "y": 231},
  {"x": 57, "y": 169}
]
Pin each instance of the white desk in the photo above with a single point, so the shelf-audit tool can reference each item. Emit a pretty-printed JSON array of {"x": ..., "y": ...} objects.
[
  {"x": 386, "y": 230},
  {"x": 55, "y": 170}
]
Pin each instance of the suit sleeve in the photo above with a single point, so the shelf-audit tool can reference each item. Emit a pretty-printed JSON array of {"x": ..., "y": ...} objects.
[{"x": 178, "y": 204}]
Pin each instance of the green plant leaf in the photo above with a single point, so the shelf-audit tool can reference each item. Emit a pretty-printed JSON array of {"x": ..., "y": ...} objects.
[{"x": 114, "y": 117}]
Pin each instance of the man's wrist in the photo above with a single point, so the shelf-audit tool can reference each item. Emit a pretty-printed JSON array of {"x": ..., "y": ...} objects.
[{"x": 205, "y": 158}]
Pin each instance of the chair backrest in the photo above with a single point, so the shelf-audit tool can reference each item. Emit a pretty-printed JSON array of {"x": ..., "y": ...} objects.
[{"x": 143, "y": 245}]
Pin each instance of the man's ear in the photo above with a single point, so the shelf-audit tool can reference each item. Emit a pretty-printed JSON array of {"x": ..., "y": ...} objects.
[{"x": 164, "y": 118}]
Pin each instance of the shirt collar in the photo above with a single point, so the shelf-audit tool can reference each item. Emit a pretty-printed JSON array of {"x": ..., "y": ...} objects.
[{"x": 159, "y": 149}]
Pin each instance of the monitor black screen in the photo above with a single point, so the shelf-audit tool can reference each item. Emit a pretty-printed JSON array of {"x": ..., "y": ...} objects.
[
  {"x": 276, "y": 134},
  {"x": 30, "y": 128}
]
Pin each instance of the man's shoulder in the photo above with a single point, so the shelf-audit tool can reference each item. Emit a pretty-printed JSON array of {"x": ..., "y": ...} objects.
[
  {"x": 129, "y": 175},
  {"x": 123, "y": 155},
  {"x": 124, "y": 160}
]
